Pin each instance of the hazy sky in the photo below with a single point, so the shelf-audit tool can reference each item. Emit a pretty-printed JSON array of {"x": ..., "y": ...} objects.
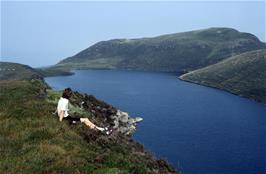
[{"x": 42, "y": 33}]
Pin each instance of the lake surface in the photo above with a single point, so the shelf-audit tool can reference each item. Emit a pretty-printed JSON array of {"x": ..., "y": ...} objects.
[{"x": 197, "y": 129}]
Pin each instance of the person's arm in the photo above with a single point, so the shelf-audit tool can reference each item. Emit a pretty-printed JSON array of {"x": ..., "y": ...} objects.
[{"x": 61, "y": 115}]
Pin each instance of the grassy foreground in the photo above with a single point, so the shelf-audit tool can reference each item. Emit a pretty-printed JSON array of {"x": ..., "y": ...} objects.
[{"x": 32, "y": 140}]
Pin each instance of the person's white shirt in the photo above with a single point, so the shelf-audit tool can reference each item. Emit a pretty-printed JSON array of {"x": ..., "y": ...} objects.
[{"x": 63, "y": 106}]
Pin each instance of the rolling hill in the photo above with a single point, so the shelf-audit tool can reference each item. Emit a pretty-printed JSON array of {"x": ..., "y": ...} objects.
[
  {"x": 16, "y": 71},
  {"x": 173, "y": 52},
  {"x": 244, "y": 75}
]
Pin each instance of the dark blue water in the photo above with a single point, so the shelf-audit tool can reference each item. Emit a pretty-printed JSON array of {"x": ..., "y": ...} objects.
[{"x": 198, "y": 129}]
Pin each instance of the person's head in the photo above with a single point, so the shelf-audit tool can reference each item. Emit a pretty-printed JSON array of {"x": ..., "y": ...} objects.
[{"x": 67, "y": 93}]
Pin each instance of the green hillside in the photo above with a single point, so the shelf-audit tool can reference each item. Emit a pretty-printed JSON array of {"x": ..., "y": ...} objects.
[
  {"x": 173, "y": 52},
  {"x": 15, "y": 71},
  {"x": 32, "y": 140},
  {"x": 244, "y": 75},
  {"x": 54, "y": 71}
]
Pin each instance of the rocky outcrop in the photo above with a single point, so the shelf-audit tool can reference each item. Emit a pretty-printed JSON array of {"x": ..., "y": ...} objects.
[
  {"x": 124, "y": 123},
  {"x": 106, "y": 115}
]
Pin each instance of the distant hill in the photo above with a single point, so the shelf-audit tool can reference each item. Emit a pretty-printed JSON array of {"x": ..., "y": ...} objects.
[
  {"x": 16, "y": 71},
  {"x": 54, "y": 71},
  {"x": 244, "y": 75},
  {"x": 173, "y": 52}
]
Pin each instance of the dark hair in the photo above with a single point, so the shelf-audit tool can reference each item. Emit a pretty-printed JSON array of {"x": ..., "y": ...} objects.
[{"x": 67, "y": 93}]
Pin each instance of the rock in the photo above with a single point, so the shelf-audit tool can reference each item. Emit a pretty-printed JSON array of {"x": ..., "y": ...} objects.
[
  {"x": 138, "y": 119},
  {"x": 131, "y": 129},
  {"x": 119, "y": 113},
  {"x": 124, "y": 123},
  {"x": 113, "y": 117},
  {"x": 125, "y": 114},
  {"x": 134, "y": 120},
  {"x": 123, "y": 119},
  {"x": 116, "y": 124},
  {"x": 131, "y": 121},
  {"x": 81, "y": 104},
  {"x": 123, "y": 130},
  {"x": 106, "y": 114}
]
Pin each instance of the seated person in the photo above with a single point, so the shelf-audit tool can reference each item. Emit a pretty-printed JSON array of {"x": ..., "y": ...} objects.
[{"x": 62, "y": 111}]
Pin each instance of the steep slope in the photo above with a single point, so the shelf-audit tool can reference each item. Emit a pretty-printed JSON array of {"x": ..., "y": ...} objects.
[
  {"x": 32, "y": 140},
  {"x": 15, "y": 71},
  {"x": 172, "y": 52},
  {"x": 243, "y": 75}
]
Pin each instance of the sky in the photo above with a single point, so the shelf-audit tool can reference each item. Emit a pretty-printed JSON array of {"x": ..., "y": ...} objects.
[{"x": 41, "y": 33}]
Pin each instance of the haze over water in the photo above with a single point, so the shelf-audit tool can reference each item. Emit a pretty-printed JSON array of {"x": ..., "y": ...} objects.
[{"x": 196, "y": 128}]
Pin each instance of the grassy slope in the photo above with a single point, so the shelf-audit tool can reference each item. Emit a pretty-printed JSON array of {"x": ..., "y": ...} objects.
[
  {"x": 32, "y": 140},
  {"x": 173, "y": 52},
  {"x": 17, "y": 71},
  {"x": 54, "y": 71},
  {"x": 243, "y": 75}
]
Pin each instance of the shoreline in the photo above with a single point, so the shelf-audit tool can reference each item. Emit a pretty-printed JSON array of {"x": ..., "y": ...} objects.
[
  {"x": 99, "y": 112},
  {"x": 131, "y": 133},
  {"x": 225, "y": 90},
  {"x": 71, "y": 72}
]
